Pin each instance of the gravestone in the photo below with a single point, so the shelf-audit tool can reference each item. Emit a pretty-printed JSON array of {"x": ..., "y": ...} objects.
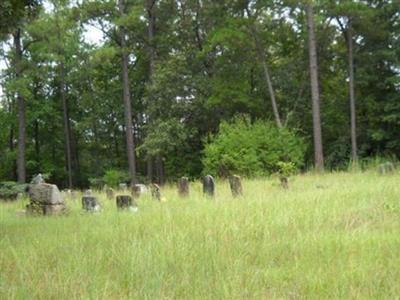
[
  {"x": 88, "y": 192},
  {"x": 208, "y": 186},
  {"x": 110, "y": 193},
  {"x": 123, "y": 186},
  {"x": 235, "y": 182},
  {"x": 183, "y": 187},
  {"x": 284, "y": 182},
  {"x": 155, "y": 191},
  {"x": 90, "y": 204},
  {"x": 45, "y": 199},
  {"x": 138, "y": 189},
  {"x": 125, "y": 202},
  {"x": 386, "y": 168}
]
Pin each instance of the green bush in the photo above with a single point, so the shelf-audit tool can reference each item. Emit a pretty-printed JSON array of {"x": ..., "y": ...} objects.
[
  {"x": 252, "y": 149},
  {"x": 10, "y": 189},
  {"x": 114, "y": 177}
]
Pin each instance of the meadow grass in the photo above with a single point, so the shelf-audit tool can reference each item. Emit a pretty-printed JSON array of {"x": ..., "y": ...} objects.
[{"x": 328, "y": 236}]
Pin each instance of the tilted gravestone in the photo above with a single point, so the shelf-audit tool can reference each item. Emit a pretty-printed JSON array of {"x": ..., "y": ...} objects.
[
  {"x": 284, "y": 182},
  {"x": 155, "y": 191},
  {"x": 125, "y": 202},
  {"x": 183, "y": 187},
  {"x": 45, "y": 199},
  {"x": 209, "y": 186},
  {"x": 90, "y": 204},
  {"x": 235, "y": 182},
  {"x": 386, "y": 168}
]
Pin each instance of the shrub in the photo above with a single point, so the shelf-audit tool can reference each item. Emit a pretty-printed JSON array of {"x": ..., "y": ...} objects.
[
  {"x": 252, "y": 149},
  {"x": 10, "y": 189},
  {"x": 114, "y": 177}
]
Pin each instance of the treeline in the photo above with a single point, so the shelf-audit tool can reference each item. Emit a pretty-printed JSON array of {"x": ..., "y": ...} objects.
[{"x": 152, "y": 94}]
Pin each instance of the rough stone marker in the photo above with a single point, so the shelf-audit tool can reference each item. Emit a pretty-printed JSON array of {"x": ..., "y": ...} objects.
[
  {"x": 284, "y": 182},
  {"x": 183, "y": 187},
  {"x": 155, "y": 191},
  {"x": 90, "y": 204},
  {"x": 209, "y": 186},
  {"x": 45, "y": 198},
  {"x": 235, "y": 182},
  {"x": 125, "y": 202}
]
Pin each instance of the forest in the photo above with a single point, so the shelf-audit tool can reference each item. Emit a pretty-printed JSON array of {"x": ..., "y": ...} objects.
[{"x": 191, "y": 87}]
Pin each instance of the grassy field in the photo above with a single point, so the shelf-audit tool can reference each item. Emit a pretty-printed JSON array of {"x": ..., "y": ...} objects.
[{"x": 330, "y": 236}]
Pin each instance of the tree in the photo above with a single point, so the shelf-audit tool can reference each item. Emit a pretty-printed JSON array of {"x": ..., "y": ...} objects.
[
  {"x": 130, "y": 146},
  {"x": 261, "y": 56},
  {"x": 312, "y": 48},
  {"x": 14, "y": 14}
]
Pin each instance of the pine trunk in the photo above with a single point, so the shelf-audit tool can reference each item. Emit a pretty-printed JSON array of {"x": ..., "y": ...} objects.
[
  {"x": 21, "y": 163},
  {"x": 351, "y": 93},
  {"x": 318, "y": 151},
  {"x": 67, "y": 131},
  {"x": 130, "y": 146}
]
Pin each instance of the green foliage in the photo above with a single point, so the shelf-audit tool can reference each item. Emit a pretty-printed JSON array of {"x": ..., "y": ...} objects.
[
  {"x": 10, "y": 189},
  {"x": 252, "y": 149},
  {"x": 286, "y": 168},
  {"x": 113, "y": 177}
]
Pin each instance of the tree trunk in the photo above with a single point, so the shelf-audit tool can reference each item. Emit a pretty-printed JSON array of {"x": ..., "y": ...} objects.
[
  {"x": 318, "y": 151},
  {"x": 262, "y": 57},
  {"x": 152, "y": 59},
  {"x": 351, "y": 93},
  {"x": 37, "y": 142},
  {"x": 130, "y": 146},
  {"x": 67, "y": 133},
  {"x": 21, "y": 165}
]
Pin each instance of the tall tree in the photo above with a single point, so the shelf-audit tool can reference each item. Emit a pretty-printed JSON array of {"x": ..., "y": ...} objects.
[
  {"x": 21, "y": 161},
  {"x": 263, "y": 59},
  {"x": 312, "y": 49},
  {"x": 130, "y": 146},
  {"x": 14, "y": 15},
  {"x": 150, "y": 9}
]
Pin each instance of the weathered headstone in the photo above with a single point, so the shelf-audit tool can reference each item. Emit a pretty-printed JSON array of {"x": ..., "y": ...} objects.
[
  {"x": 88, "y": 192},
  {"x": 138, "y": 189},
  {"x": 284, "y": 182},
  {"x": 386, "y": 168},
  {"x": 155, "y": 191},
  {"x": 209, "y": 186},
  {"x": 235, "y": 182},
  {"x": 90, "y": 204},
  {"x": 45, "y": 199},
  {"x": 125, "y": 202},
  {"x": 110, "y": 193},
  {"x": 183, "y": 187},
  {"x": 123, "y": 186}
]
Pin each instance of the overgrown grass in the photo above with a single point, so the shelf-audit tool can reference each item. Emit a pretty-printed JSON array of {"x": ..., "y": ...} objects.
[{"x": 330, "y": 236}]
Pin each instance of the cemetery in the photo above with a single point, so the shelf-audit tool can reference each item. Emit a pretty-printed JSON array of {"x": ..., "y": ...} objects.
[{"x": 199, "y": 149}]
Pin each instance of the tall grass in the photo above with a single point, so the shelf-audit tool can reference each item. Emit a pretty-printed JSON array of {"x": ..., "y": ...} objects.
[{"x": 328, "y": 236}]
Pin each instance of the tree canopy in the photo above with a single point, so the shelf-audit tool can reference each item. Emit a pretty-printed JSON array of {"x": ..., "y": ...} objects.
[{"x": 186, "y": 67}]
